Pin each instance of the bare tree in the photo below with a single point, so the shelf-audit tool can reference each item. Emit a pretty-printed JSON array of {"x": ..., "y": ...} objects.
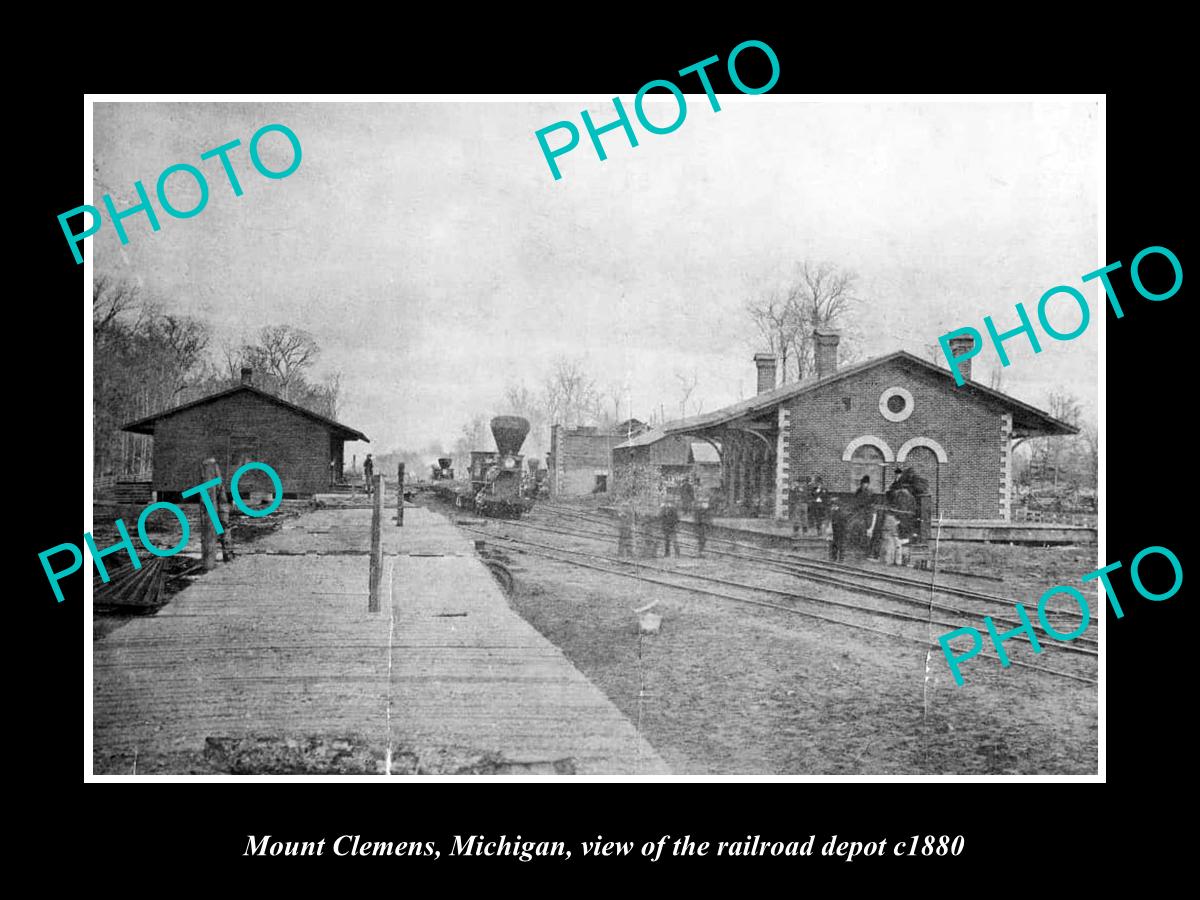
[
  {"x": 617, "y": 393},
  {"x": 569, "y": 395},
  {"x": 331, "y": 386},
  {"x": 687, "y": 387},
  {"x": 184, "y": 342},
  {"x": 475, "y": 435},
  {"x": 775, "y": 316},
  {"x": 1048, "y": 453},
  {"x": 285, "y": 352},
  {"x": 816, "y": 295},
  {"x": 825, "y": 295},
  {"x": 110, "y": 299}
]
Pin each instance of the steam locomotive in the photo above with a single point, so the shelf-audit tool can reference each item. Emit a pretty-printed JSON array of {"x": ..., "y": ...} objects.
[
  {"x": 442, "y": 470},
  {"x": 497, "y": 481}
]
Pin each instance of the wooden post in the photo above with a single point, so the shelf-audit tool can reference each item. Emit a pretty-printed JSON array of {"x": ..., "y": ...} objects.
[
  {"x": 376, "y": 544},
  {"x": 208, "y": 545},
  {"x": 400, "y": 496},
  {"x": 208, "y": 535}
]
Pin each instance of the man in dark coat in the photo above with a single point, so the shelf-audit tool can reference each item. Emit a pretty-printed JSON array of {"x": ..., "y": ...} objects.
[
  {"x": 687, "y": 495},
  {"x": 865, "y": 533},
  {"x": 703, "y": 518},
  {"x": 670, "y": 528},
  {"x": 818, "y": 503},
  {"x": 864, "y": 491},
  {"x": 369, "y": 473},
  {"x": 837, "y": 546},
  {"x": 625, "y": 530}
]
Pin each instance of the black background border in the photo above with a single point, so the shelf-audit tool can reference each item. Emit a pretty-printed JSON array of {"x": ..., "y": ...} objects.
[{"x": 1003, "y": 822}]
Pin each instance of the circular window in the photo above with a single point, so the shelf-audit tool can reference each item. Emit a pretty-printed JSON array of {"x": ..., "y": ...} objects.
[{"x": 896, "y": 404}]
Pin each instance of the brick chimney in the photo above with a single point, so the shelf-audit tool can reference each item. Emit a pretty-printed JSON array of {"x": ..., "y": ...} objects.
[
  {"x": 825, "y": 344},
  {"x": 247, "y": 375},
  {"x": 959, "y": 345},
  {"x": 766, "y": 371}
]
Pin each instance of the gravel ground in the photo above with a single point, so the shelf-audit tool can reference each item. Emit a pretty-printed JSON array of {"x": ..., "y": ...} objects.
[{"x": 728, "y": 688}]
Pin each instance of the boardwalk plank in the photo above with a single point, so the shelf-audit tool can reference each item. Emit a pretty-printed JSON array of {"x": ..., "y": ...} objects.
[{"x": 277, "y": 650}]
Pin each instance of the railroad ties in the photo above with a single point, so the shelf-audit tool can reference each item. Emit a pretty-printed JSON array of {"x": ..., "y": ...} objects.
[{"x": 907, "y": 599}]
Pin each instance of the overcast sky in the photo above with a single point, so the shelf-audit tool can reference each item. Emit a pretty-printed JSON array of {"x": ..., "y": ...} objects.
[{"x": 433, "y": 256}]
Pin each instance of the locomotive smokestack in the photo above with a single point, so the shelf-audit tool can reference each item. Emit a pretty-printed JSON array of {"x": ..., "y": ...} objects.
[{"x": 509, "y": 432}]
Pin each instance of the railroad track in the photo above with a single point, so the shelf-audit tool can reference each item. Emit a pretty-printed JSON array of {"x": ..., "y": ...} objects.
[
  {"x": 821, "y": 575},
  {"x": 811, "y": 564},
  {"x": 687, "y": 582}
]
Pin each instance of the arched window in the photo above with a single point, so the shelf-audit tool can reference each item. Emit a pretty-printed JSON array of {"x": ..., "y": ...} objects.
[
  {"x": 929, "y": 443},
  {"x": 869, "y": 456},
  {"x": 926, "y": 457}
]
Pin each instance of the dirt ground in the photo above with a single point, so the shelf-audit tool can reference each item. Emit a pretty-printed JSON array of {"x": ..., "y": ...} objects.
[{"x": 729, "y": 688}]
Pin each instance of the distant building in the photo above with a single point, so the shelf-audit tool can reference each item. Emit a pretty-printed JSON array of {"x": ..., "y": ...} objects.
[
  {"x": 580, "y": 458},
  {"x": 240, "y": 425},
  {"x": 655, "y": 454},
  {"x": 866, "y": 419}
]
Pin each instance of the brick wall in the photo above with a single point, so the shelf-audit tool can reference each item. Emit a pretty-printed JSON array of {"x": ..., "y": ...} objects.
[
  {"x": 576, "y": 457},
  {"x": 970, "y": 429},
  {"x": 233, "y": 429}
]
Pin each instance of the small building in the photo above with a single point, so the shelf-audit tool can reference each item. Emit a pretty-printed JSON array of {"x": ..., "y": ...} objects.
[
  {"x": 580, "y": 458},
  {"x": 866, "y": 419},
  {"x": 655, "y": 455},
  {"x": 246, "y": 424}
]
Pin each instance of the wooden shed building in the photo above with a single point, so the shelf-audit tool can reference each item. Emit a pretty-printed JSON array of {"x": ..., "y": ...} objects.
[
  {"x": 656, "y": 455},
  {"x": 246, "y": 424}
]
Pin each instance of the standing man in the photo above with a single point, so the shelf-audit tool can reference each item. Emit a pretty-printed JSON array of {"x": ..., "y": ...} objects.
[
  {"x": 818, "y": 503},
  {"x": 625, "y": 530},
  {"x": 864, "y": 499},
  {"x": 798, "y": 506},
  {"x": 864, "y": 492},
  {"x": 369, "y": 473},
  {"x": 837, "y": 517},
  {"x": 702, "y": 520},
  {"x": 687, "y": 494},
  {"x": 670, "y": 528},
  {"x": 889, "y": 537}
]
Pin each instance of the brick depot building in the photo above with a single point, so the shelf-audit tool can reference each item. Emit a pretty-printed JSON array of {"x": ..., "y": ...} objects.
[
  {"x": 865, "y": 419},
  {"x": 240, "y": 425},
  {"x": 580, "y": 458}
]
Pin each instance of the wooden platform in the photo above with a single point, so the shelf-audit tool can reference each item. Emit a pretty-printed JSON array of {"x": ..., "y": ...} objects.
[
  {"x": 1035, "y": 533},
  {"x": 778, "y": 533},
  {"x": 272, "y": 665}
]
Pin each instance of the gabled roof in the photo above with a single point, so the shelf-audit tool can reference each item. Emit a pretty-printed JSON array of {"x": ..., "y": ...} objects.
[
  {"x": 650, "y": 436},
  {"x": 146, "y": 425},
  {"x": 630, "y": 426},
  {"x": 1026, "y": 418}
]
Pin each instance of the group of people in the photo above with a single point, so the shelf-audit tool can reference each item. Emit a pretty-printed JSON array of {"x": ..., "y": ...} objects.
[
  {"x": 667, "y": 520},
  {"x": 859, "y": 520}
]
